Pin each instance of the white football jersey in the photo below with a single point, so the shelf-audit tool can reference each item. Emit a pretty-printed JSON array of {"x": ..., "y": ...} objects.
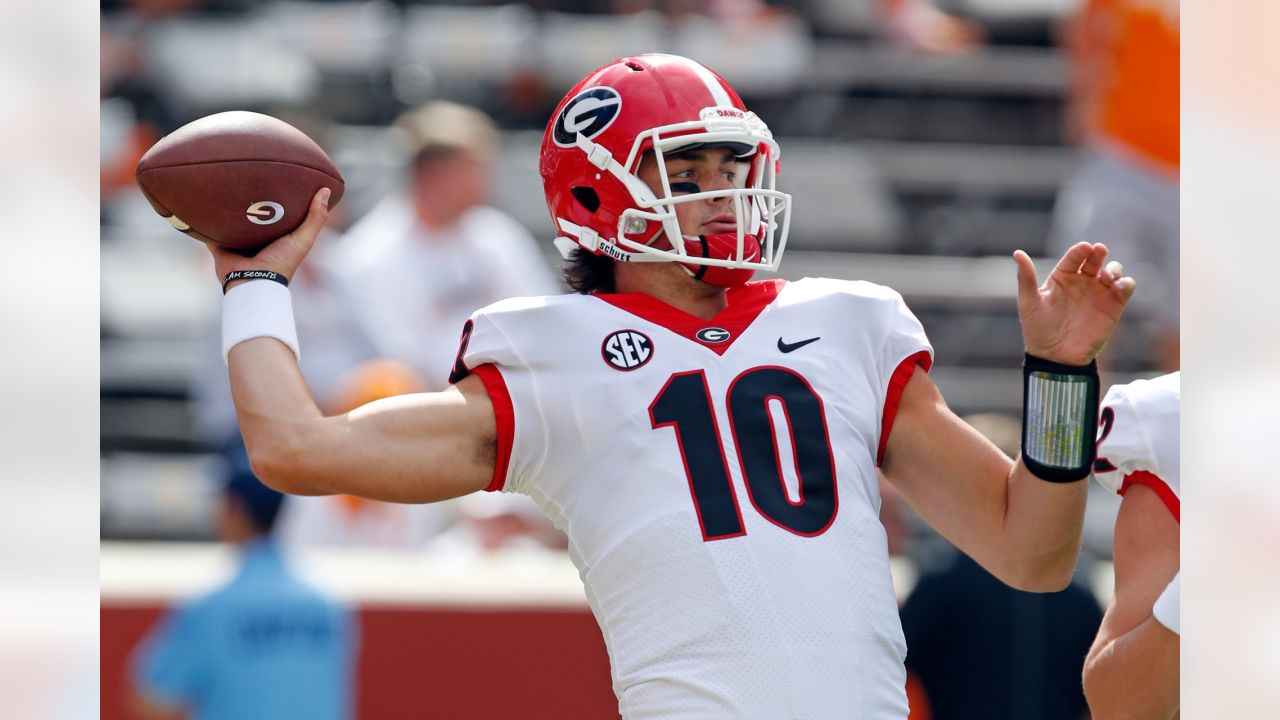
[
  {"x": 717, "y": 483},
  {"x": 1138, "y": 439}
]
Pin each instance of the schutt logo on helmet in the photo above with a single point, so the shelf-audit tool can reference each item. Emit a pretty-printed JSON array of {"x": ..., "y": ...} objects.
[{"x": 589, "y": 113}]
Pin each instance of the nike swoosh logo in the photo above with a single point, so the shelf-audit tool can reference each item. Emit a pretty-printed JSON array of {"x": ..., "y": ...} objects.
[{"x": 787, "y": 347}]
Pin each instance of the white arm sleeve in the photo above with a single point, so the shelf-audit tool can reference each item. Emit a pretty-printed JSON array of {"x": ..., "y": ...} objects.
[{"x": 1167, "y": 609}]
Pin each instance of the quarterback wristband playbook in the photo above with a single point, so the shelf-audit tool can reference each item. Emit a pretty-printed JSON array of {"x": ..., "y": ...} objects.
[
  {"x": 258, "y": 309},
  {"x": 1059, "y": 419}
]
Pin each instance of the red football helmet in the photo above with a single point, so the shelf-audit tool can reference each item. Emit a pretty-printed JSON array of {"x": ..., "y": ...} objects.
[{"x": 602, "y": 129}]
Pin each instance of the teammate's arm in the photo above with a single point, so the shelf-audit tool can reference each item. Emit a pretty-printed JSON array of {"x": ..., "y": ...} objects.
[
  {"x": 1132, "y": 669},
  {"x": 412, "y": 448},
  {"x": 1024, "y": 530}
]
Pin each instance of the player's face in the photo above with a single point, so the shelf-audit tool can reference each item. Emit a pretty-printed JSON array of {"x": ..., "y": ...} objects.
[
  {"x": 455, "y": 182},
  {"x": 698, "y": 171}
]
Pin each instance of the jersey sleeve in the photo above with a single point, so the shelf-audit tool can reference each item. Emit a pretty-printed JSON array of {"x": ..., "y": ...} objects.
[
  {"x": 904, "y": 349},
  {"x": 1137, "y": 441},
  {"x": 487, "y": 351}
]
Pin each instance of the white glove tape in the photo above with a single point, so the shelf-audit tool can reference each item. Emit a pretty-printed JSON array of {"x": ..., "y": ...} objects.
[
  {"x": 258, "y": 308},
  {"x": 1169, "y": 604}
]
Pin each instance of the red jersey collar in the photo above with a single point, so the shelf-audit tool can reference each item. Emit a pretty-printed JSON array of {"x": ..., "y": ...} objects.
[{"x": 745, "y": 303}]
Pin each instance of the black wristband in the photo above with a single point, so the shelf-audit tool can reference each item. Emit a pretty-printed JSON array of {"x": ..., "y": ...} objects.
[
  {"x": 1059, "y": 419},
  {"x": 253, "y": 275}
]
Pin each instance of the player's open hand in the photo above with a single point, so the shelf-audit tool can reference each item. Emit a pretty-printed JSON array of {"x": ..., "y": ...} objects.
[
  {"x": 1069, "y": 318},
  {"x": 282, "y": 255}
]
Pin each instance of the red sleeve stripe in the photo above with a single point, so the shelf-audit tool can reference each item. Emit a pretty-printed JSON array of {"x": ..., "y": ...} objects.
[
  {"x": 897, "y": 382},
  {"x": 1155, "y": 482},
  {"x": 505, "y": 417}
]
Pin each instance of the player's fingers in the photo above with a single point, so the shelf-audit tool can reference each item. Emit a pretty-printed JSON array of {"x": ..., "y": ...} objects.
[
  {"x": 1111, "y": 273},
  {"x": 1028, "y": 283},
  {"x": 304, "y": 237},
  {"x": 317, "y": 214},
  {"x": 1093, "y": 262},
  {"x": 1074, "y": 257},
  {"x": 1124, "y": 287}
]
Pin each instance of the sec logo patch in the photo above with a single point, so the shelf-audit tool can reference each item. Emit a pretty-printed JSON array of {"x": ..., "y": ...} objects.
[{"x": 627, "y": 350}]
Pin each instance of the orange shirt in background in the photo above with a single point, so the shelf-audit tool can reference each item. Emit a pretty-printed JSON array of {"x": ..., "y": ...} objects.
[{"x": 1126, "y": 55}]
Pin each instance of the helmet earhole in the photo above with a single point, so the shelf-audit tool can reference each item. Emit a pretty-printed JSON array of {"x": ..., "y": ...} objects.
[{"x": 586, "y": 197}]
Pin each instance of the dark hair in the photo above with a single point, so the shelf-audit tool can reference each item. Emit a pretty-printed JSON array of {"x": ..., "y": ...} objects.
[
  {"x": 261, "y": 503},
  {"x": 587, "y": 273}
]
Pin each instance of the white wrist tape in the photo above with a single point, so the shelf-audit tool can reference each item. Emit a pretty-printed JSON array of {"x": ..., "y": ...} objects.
[
  {"x": 258, "y": 308},
  {"x": 1169, "y": 604}
]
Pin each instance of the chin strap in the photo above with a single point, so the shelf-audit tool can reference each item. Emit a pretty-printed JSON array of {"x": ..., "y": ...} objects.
[
  {"x": 592, "y": 242},
  {"x": 722, "y": 246}
]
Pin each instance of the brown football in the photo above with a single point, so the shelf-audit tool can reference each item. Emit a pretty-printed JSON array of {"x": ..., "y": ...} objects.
[{"x": 238, "y": 179}]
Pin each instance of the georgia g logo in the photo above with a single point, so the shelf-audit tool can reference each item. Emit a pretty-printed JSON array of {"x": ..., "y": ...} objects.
[
  {"x": 264, "y": 212},
  {"x": 589, "y": 113},
  {"x": 627, "y": 350}
]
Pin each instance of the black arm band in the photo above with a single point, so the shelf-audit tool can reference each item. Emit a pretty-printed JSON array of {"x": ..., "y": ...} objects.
[
  {"x": 253, "y": 275},
  {"x": 1059, "y": 419}
]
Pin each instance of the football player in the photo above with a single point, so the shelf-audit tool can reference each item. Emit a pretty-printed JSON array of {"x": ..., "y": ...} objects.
[
  {"x": 1132, "y": 669},
  {"x": 708, "y": 444}
]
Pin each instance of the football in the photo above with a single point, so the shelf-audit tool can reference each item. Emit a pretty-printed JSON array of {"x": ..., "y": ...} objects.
[{"x": 238, "y": 179}]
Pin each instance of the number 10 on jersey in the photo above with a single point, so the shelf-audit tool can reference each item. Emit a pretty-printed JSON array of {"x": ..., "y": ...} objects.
[{"x": 685, "y": 405}]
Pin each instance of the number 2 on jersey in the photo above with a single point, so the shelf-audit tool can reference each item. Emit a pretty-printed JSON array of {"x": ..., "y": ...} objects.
[{"x": 685, "y": 405}]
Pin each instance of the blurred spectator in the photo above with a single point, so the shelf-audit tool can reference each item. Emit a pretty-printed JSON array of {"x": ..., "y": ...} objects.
[
  {"x": 979, "y": 648},
  {"x": 134, "y": 114},
  {"x": 153, "y": 9},
  {"x": 984, "y": 650},
  {"x": 919, "y": 25},
  {"x": 915, "y": 25},
  {"x": 265, "y": 645},
  {"x": 164, "y": 9},
  {"x": 1124, "y": 110},
  {"x": 414, "y": 268}
]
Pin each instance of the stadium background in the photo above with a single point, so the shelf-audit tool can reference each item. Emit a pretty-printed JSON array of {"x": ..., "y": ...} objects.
[{"x": 919, "y": 171}]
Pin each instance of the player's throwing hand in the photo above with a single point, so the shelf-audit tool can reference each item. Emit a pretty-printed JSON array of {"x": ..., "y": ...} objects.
[
  {"x": 283, "y": 255},
  {"x": 1069, "y": 318}
]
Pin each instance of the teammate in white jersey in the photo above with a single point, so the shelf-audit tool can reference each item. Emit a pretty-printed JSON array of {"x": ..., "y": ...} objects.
[
  {"x": 708, "y": 444},
  {"x": 1132, "y": 669}
]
